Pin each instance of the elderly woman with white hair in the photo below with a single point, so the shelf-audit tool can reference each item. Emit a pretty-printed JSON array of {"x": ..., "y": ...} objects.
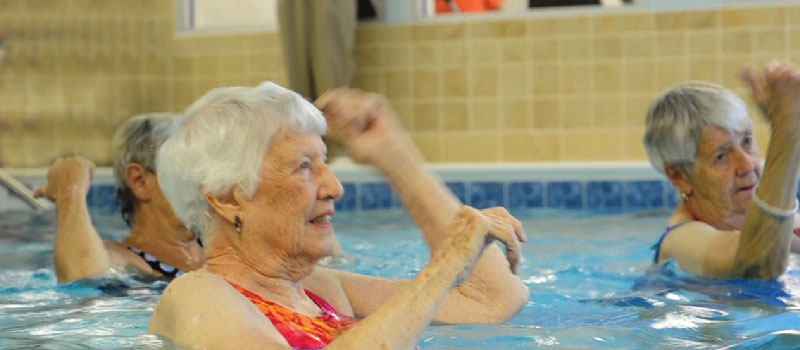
[
  {"x": 248, "y": 173},
  {"x": 735, "y": 220},
  {"x": 159, "y": 245}
]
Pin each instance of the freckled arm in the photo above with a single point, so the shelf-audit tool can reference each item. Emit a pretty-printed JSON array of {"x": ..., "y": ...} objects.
[{"x": 765, "y": 240}]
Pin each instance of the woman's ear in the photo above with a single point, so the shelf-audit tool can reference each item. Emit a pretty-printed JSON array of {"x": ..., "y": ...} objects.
[
  {"x": 137, "y": 180},
  {"x": 679, "y": 179},
  {"x": 228, "y": 206}
]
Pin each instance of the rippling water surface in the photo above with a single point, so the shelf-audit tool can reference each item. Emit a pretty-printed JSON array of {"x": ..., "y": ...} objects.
[{"x": 591, "y": 283}]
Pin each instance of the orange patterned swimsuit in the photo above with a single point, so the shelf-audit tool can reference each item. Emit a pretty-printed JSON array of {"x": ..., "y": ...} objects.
[{"x": 301, "y": 331}]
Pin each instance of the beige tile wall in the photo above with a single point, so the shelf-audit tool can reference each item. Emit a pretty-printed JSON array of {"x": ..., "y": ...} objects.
[
  {"x": 537, "y": 89},
  {"x": 77, "y": 68},
  {"x": 561, "y": 89}
]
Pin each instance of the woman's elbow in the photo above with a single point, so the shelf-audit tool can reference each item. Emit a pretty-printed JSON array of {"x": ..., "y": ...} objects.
[{"x": 505, "y": 307}]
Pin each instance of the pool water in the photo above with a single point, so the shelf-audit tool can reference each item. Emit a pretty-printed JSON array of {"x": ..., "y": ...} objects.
[{"x": 592, "y": 287}]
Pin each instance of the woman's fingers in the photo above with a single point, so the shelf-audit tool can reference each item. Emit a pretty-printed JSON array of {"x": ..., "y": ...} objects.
[
  {"x": 491, "y": 224},
  {"x": 348, "y": 110},
  {"x": 503, "y": 231},
  {"x": 40, "y": 191},
  {"x": 323, "y": 101},
  {"x": 518, "y": 230},
  {"x": 756, "y": 83},
  {"x": 776, "y": 89},
  {"x": 508, "y": 230},
  {"x": 502, "y": 212}
]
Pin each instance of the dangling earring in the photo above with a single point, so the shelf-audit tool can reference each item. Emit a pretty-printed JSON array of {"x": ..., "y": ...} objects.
[
  {"x": 237, "y": 223},
  {"x": 684, "y": 196}
]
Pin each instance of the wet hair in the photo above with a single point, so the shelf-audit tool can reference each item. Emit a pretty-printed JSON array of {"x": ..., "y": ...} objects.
[
  {"x": 222, "y": 143},
  {"x": 136, "y": 141},
  {"x": 676, "y": 118}
]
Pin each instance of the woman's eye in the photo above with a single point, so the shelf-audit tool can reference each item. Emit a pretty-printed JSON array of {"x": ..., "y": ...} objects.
[
  {"x": 305, "y": 165},
  {"x": 720, "y": 157}
]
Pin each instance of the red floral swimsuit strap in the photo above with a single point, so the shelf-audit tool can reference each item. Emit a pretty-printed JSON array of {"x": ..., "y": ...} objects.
[{"x": 301, "y": 331}]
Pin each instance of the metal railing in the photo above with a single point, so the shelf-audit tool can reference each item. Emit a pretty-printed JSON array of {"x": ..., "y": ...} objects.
[{"x": 23, "y": 191}]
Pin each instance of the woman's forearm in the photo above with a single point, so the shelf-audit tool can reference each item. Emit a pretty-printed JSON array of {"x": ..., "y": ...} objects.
[
  {"x": 79, "y": 252},
  {"x": 765, "y": 239},
  {"x": 433, "y": 206},
  {"x": 427, "y": 199},
  {"x": 399, "y": 323}
]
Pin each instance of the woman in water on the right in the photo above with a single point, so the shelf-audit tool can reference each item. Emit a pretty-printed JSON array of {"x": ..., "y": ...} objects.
[{"x": 736, "y": 219}]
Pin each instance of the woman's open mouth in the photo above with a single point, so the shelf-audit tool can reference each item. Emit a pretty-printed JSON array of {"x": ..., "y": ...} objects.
[
  {"x": 746, "y": 189},
  {"x": 321, "y": 220}
]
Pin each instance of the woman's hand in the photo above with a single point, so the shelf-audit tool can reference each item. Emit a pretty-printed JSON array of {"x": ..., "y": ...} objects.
[
  {"x": 777, "y": 93},
  {"x": 471, "y": 231},
  {"x": 67, "y": 176},
  {"x": 510, "y": 229},
  {"x": 364, "y": 122}
]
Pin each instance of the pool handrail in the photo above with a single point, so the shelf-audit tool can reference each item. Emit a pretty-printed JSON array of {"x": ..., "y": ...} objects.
[{"x": 23, "y": 191}]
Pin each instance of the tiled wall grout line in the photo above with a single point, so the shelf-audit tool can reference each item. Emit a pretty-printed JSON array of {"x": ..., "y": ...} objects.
[{"x": 183, "y": 56}]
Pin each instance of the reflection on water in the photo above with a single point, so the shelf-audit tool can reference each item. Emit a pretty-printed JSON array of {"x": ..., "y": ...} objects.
[{"x": 591, "y": 283}]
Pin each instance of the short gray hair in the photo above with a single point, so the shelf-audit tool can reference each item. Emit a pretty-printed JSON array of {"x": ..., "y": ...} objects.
[
  {"x": 222, "y": 143},
  {"x": 676, "y": 118},
  {"x": 136, "y": 141}
]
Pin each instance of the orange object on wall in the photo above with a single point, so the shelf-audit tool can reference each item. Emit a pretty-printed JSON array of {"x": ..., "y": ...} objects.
[{"x": 443, "y": 6}]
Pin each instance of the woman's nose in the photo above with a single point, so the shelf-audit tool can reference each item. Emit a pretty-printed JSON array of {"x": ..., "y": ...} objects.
[
  {"x": 744, "y": 162},
  {"x": 330, "y": 188}
]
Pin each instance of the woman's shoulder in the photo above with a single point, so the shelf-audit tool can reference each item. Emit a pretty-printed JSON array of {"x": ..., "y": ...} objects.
[
  {"x": 194, "y": 292},
  {"x": 326, "y": 283},
  {"x": 201, "y": 309},
  {"x": 199, "y": 284}
]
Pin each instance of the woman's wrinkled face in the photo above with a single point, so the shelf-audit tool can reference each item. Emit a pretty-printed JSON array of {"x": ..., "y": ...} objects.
[
  {"x": 726, "y": 170},
  {"x": 292, "y": 208}
]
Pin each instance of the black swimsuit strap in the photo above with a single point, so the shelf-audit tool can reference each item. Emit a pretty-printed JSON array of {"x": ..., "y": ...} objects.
[{"x": 168, "y": 271}]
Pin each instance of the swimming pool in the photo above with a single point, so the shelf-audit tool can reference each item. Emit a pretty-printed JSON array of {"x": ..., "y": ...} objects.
[{"x": 592, "y": 287}]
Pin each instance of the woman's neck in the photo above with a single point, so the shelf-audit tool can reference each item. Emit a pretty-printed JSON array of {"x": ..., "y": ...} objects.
[
  {"x": 712, "y": 214},
  {"x": 171, "y": 243},
  {"x": 272, "y": 276}
]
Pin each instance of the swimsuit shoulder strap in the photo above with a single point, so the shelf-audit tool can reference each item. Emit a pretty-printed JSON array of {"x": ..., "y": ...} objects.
[
  {"x": 323, "y": 305},
  {"x": 667, "y": 230}
]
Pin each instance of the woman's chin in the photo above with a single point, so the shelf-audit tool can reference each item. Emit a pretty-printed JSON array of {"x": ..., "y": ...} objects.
[
  {"x": 742, "y": 204},
  {"x": 742, "y": 198},
  {"x": 326, "y": 247}
]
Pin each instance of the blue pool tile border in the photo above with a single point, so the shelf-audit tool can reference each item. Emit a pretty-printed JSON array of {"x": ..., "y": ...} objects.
[
  {"x": 374, "y": 195},
  {"x": 525, "y": 195},
  {"x": 645, "y": 194},
  {"x": 612, "y": 195},
  {"x": 487, "y": 194},
  {"x": 592, "y": 195},
  {"x": 565, "y": 194},
  {"x": 459, "y": 189},
  {"x": 604, "y": 195}
]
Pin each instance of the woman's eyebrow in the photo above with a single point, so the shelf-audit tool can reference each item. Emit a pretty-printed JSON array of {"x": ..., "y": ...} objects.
[
  {"x": 724, "y": 147},
  {"x": 310, "y": 154}
]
